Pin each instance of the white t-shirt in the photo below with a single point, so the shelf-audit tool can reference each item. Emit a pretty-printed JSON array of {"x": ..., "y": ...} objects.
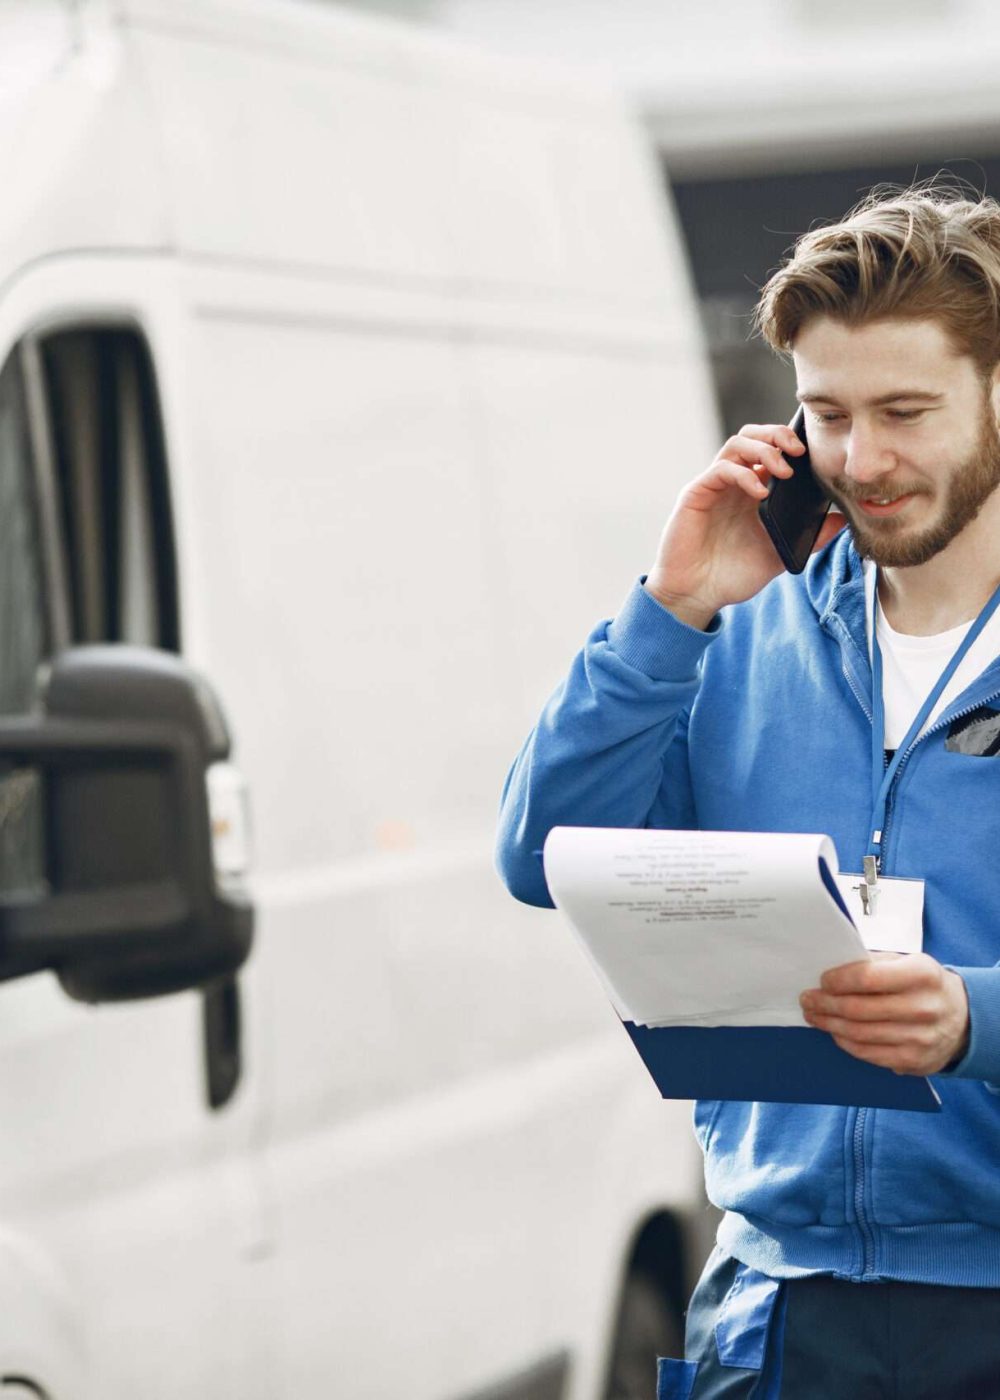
[{"x": 911, "y": 666}]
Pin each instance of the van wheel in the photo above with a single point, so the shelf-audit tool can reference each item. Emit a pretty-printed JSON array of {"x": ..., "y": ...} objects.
[{"x": 648, "y": 1326}]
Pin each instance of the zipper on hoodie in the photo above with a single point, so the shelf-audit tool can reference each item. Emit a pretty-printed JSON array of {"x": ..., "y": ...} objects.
[
  {"x": 859, "y": 695},
  {"x": 865, "y": 1226}
]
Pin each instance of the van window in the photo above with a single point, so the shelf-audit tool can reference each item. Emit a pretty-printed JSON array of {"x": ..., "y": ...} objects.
[
  {"x": 86, "y": 545},
  {"x": 112, "y": 485},
  {"x": 117, "y": 540},
  {"x": 23, "y": 628}
]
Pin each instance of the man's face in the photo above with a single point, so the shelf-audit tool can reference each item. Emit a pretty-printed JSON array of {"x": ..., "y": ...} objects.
[{"x": 902, "y": 432}]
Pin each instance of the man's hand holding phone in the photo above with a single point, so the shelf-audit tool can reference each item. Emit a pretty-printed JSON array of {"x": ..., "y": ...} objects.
[{"x": 715, "y": 549}]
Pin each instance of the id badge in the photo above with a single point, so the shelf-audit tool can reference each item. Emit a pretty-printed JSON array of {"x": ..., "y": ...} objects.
[{"x": 897, "y": 925}]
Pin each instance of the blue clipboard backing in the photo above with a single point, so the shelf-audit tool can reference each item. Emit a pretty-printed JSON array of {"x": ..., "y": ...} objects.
[{"x": 771, "y": 1064}]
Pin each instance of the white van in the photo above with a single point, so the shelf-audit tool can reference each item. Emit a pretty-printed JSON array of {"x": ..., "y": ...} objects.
[{"x": 347, "y": 376}]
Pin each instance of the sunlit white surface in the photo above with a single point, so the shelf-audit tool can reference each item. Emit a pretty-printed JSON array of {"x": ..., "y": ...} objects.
[{"x": 37, "y": 38}]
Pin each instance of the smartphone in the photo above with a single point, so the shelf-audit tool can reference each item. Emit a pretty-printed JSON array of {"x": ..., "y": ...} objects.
[{"x": 795, "y": 507}]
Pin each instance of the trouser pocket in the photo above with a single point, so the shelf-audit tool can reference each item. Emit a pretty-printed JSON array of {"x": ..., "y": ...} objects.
[
  {"x": 734, "y": 1338},
  {"x": 744, "y": 1321}
]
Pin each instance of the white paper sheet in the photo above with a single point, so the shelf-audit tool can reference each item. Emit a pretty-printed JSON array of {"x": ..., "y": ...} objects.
[{"x": 706, "y": 928}]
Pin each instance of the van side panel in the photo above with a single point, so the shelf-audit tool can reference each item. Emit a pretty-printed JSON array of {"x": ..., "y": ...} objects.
[
  {"x": 584, "y": 446},
  {"x": 440, "y": 1062}
]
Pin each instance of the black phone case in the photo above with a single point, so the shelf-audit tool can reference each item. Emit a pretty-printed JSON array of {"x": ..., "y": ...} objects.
[{"x": 795, "y": 508}]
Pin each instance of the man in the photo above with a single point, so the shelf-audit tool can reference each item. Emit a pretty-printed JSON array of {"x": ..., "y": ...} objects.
[{"x": 727, "y": 694}]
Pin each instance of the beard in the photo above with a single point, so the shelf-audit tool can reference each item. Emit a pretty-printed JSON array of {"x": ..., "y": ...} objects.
[{"x": 970, "y": 484}]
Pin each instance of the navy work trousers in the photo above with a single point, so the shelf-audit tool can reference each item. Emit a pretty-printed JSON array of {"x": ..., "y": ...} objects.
[{"x": 751, "y": 1337}]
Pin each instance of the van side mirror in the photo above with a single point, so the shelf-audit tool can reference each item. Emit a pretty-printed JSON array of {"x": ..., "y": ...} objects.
[{"x": 136, "y": 901}]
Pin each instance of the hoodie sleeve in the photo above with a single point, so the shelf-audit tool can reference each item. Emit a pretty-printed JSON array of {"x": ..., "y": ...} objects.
[
  {"x": 982, "y": 1058},
  {"x": 610, "y": 746}
]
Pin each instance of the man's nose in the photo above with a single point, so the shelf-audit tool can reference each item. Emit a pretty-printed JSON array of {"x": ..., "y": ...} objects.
[{"x": 867, "y": 457}]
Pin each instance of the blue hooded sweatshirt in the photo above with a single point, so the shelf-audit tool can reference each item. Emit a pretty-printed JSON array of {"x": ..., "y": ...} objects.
[{"x": 763, "y": 723}]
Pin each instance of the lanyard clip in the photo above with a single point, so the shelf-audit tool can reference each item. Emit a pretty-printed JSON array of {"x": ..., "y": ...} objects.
[{"x": 870, "y": 890}]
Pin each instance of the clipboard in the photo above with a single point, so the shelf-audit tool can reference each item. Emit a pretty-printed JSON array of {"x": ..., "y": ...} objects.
[
  {"x": 757, "y": 1063},
  {"x": 772, "y": 1064}
]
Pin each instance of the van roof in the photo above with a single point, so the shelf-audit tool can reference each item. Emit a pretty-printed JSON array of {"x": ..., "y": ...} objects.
[
  {"x": 425, "y": 162},
  {"x": 295, "y": 136},
  {"x": 324, "y": 31}
]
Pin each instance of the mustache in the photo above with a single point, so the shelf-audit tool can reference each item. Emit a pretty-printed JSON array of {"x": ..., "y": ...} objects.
[{"x": 840, "y": 488}]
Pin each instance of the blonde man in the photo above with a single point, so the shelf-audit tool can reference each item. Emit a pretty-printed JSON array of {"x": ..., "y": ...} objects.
[{"x": 728, "y": 694}]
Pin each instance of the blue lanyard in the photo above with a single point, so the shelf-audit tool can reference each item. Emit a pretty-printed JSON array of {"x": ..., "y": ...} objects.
[{"x": 882, "y": 776}]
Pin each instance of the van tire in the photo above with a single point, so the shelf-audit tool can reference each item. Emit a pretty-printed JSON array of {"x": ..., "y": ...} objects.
[{"x": 648, "y": 1326}]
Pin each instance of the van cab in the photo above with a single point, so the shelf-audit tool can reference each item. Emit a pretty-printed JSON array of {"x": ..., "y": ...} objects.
[{"x": 346, "y": 378}]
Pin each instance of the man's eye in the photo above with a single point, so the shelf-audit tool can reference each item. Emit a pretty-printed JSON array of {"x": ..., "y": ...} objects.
[
  {"x": 906, "y": 415},
  {"x": 821, "y": 417}
]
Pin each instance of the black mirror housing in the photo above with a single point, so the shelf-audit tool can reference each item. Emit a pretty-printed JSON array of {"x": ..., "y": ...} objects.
[{"x": 125, "y": 738}]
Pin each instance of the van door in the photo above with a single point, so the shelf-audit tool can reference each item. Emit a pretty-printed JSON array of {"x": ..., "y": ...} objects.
[{"x": 126, "y": 1172}]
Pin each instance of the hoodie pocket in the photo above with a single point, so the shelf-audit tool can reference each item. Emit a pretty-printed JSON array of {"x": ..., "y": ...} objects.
[{"x": 782, "y": 1163}]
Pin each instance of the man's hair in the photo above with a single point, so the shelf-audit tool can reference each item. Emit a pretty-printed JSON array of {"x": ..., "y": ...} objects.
[{"x": 923, "y": 253}]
